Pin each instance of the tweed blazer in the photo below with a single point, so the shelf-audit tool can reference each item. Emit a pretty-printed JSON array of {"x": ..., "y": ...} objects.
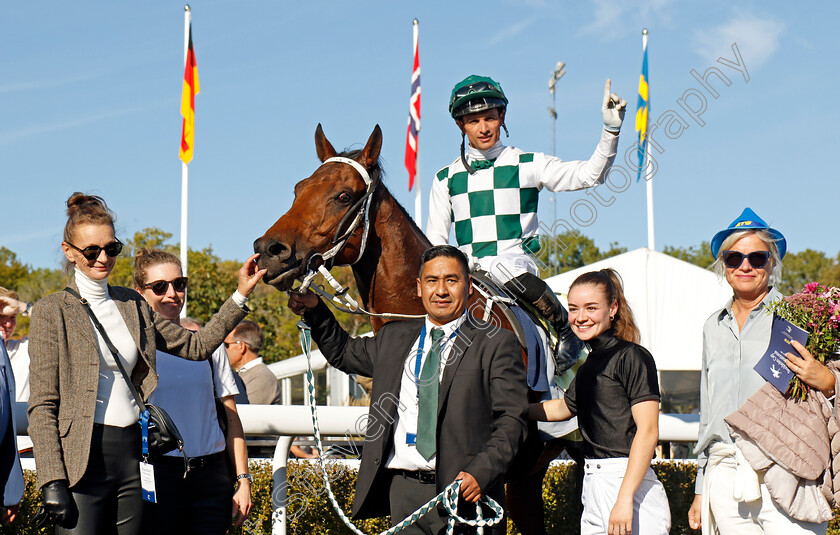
[{"x": 64, "y": 370}]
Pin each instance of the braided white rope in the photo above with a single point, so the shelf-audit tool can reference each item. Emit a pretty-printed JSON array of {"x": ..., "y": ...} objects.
[{"x": 448, "y": 497}]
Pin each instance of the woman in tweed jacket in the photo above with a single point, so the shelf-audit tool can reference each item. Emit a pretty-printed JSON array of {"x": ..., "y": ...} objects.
[{"x": 82, "y": 416}]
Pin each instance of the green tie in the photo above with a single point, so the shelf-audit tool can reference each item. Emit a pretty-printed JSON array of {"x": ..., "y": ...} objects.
[
  {"x": 428, "y": 399},
  {"x": 478, "y": 165}
]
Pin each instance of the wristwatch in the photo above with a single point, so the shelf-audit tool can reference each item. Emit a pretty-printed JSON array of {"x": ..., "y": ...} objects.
[{"x": 244, "y": 476}]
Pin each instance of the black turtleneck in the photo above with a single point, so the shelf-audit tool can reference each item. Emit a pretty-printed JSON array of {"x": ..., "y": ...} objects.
[{"x": 616, "y": 375}]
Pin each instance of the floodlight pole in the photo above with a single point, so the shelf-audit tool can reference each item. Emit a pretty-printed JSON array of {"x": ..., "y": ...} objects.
[{"x": 559, "y": 71}]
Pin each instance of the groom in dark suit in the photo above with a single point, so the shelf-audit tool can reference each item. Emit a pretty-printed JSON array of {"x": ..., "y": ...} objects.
[{"x": 448, "y": 402}]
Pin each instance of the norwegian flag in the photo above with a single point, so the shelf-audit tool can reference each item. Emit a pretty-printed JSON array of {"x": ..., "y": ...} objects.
[{"x": 413, "y": 116}]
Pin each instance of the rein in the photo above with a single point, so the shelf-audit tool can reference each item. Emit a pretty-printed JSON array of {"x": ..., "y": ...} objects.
[
  {"x": 448, "y": 497},
  {"x": 342, "y": 297}
]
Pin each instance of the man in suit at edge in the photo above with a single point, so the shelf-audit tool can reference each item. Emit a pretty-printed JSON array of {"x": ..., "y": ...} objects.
[
  {"x": 478, "y": 413},
  {"x": 11, "y": 475}
]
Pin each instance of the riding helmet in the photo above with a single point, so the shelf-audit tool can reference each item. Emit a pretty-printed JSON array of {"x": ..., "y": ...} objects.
[{"x": 474, "y": 94}]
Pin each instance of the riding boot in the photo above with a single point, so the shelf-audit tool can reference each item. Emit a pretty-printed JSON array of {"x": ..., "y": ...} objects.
[{"x": 536, "y": 291}]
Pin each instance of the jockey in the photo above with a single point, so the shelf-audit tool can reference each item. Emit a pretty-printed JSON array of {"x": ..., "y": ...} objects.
[{"x": 491, "y": 192}]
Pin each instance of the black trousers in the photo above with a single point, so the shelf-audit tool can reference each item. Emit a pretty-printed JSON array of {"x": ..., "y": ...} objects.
[
  {"x": 108, "y": 498},
  {"x": 407, "y": 494},
  {"x": 201, "y": 503}
]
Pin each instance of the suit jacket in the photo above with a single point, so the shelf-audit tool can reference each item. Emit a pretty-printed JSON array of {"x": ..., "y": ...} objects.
[
  {"x": 482, "y": 403},
  {"x": 64, "y": 370},
  {"x": 11, "y": 475},
  {"x": 261, "y": 385}
]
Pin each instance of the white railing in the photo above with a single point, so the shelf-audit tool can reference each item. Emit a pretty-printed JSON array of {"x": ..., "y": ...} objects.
[{"x": 289, "y": 421}]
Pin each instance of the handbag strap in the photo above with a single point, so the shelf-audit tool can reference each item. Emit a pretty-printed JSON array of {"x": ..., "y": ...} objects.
[
  {"x": 213, "y": 377},
  {"x": 140, "y": 404}
]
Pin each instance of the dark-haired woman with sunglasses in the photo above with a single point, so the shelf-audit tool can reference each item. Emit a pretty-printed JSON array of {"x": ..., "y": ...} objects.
[
  {"x": 83, "y": 419},
  {"x": 200, "y": 501},
  {"x": 748, "y": 254}
]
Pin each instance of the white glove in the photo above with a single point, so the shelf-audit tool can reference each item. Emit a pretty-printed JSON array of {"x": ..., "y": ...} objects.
[{"x": 612, "y": 110}]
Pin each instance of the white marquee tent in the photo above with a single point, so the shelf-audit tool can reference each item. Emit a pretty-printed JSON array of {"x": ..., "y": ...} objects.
[{"x": 671, "y": 300}]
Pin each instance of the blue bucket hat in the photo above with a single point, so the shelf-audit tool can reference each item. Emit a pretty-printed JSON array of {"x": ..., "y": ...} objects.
[{"x": 748, "y": 220}]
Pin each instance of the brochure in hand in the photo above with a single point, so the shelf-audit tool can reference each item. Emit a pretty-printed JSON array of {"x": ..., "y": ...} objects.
[{"x": 772, "y": 365}]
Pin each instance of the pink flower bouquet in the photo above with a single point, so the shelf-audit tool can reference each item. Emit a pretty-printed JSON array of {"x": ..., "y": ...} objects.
[{"x": 817, "y": 310}]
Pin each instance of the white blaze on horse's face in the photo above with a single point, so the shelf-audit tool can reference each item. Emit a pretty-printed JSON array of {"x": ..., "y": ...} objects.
[
  {"x": 589, "y": 312},
  {"x": 444, "y": 289}
]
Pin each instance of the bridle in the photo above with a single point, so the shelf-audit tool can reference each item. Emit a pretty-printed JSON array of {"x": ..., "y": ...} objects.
[{"x": 359, "y": 211}]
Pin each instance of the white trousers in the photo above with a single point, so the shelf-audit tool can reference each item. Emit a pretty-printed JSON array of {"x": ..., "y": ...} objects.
[
  {"x": 601, "y": 481},
  {"x": 725, "y": 486}
]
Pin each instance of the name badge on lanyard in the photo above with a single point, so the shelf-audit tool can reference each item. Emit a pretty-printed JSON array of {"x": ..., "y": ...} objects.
[{"x": 147, "y": 481}]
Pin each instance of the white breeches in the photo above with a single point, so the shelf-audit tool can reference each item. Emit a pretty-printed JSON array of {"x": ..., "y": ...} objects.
[{"x": 601, "y": 481}]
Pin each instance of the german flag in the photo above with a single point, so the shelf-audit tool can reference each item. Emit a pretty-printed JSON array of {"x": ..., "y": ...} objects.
[{"x": 188, "y": 94}]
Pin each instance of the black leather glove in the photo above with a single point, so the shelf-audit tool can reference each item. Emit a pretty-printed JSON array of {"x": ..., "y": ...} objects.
[
  {"x": 569, "y": 347},
  {"x": 57, "y": 506}
]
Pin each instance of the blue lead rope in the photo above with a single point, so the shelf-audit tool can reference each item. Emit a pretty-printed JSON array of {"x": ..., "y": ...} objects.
[{"x": 448, "y": 497}]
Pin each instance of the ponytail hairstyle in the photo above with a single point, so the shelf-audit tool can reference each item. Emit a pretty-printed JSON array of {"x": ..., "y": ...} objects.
[
  {"x": 622, "y": 323},
  {"x": 85, "y": 209},
  {"x": 148, "y": 258}
]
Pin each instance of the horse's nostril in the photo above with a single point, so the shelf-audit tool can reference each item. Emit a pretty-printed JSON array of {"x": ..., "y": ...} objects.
[{"x": 275, "y": 249}]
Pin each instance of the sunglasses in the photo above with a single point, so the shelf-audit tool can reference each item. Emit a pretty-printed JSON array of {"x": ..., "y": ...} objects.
[
  {"x": 757, "y": 259},
  {"x": 160, "y": 287},
  {"x": 91, "y": 252}
]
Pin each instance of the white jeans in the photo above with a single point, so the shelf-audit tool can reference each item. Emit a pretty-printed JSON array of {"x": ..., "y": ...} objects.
[
  {"x": 729, "y": 516},
  {"x": 601, "y": 481}
]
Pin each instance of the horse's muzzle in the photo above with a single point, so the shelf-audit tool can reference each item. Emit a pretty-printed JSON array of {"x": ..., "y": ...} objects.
[{"x": 278, "y": 260}]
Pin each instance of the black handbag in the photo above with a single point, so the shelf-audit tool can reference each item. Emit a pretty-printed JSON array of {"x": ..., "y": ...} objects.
[{"x": 163, "y": 434}]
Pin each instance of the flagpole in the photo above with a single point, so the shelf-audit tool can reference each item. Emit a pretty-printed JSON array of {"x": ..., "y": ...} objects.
[
  {"x": 418, "y": 196},
  {"x": 184, "y": 171},
  {"x": 648, "y": 168}
]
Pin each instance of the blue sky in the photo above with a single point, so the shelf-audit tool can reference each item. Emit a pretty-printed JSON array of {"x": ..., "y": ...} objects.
[{"x": 90, "y": 96}]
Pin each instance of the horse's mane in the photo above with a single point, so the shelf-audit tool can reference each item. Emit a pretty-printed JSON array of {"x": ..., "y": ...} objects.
[{"x": 377, "y": 173}]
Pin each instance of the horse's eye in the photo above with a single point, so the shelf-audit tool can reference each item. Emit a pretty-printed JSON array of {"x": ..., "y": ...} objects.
[{"x": 344, "y": 197}]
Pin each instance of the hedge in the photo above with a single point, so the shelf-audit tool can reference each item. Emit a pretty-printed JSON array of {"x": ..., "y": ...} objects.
[{"x": 309, "y": 512}]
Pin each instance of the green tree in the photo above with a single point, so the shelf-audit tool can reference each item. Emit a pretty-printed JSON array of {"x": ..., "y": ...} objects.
[
  {"x": 699, "y": 255},
  {"x": 150, "y": 238},
  {"x": 831, "y": 274},
  {"x": 568, "y": 251},
  {"x": 798, "y": 269},
  {"x": 12, "y": 270}
]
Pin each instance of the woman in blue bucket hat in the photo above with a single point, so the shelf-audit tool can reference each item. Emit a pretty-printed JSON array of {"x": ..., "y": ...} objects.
[{"x": 730, "y": 497}]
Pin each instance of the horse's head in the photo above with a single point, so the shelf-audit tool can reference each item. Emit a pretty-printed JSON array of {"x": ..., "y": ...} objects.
[{"x": 324, "y": 217}]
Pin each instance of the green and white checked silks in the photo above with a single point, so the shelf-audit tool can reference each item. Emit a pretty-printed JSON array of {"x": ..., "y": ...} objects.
[
  {"x": 448, "y": 497},
  {"x": 494, "y": 211}
]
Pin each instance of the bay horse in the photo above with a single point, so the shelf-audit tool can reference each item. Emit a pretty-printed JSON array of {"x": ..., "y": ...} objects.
[{"x": 324, "y": 226}]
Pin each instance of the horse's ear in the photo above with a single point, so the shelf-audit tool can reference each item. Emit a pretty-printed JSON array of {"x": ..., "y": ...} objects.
[
  {"x": 370, "y": 154},
  {"x": 322, "y": 145}
]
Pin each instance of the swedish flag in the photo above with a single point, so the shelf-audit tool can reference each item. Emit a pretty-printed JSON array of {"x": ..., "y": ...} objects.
[{"x": 642, "y": 112}]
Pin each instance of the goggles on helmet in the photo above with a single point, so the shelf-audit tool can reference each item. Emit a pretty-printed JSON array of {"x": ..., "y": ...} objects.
[{"x": 475, "y": 94}]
